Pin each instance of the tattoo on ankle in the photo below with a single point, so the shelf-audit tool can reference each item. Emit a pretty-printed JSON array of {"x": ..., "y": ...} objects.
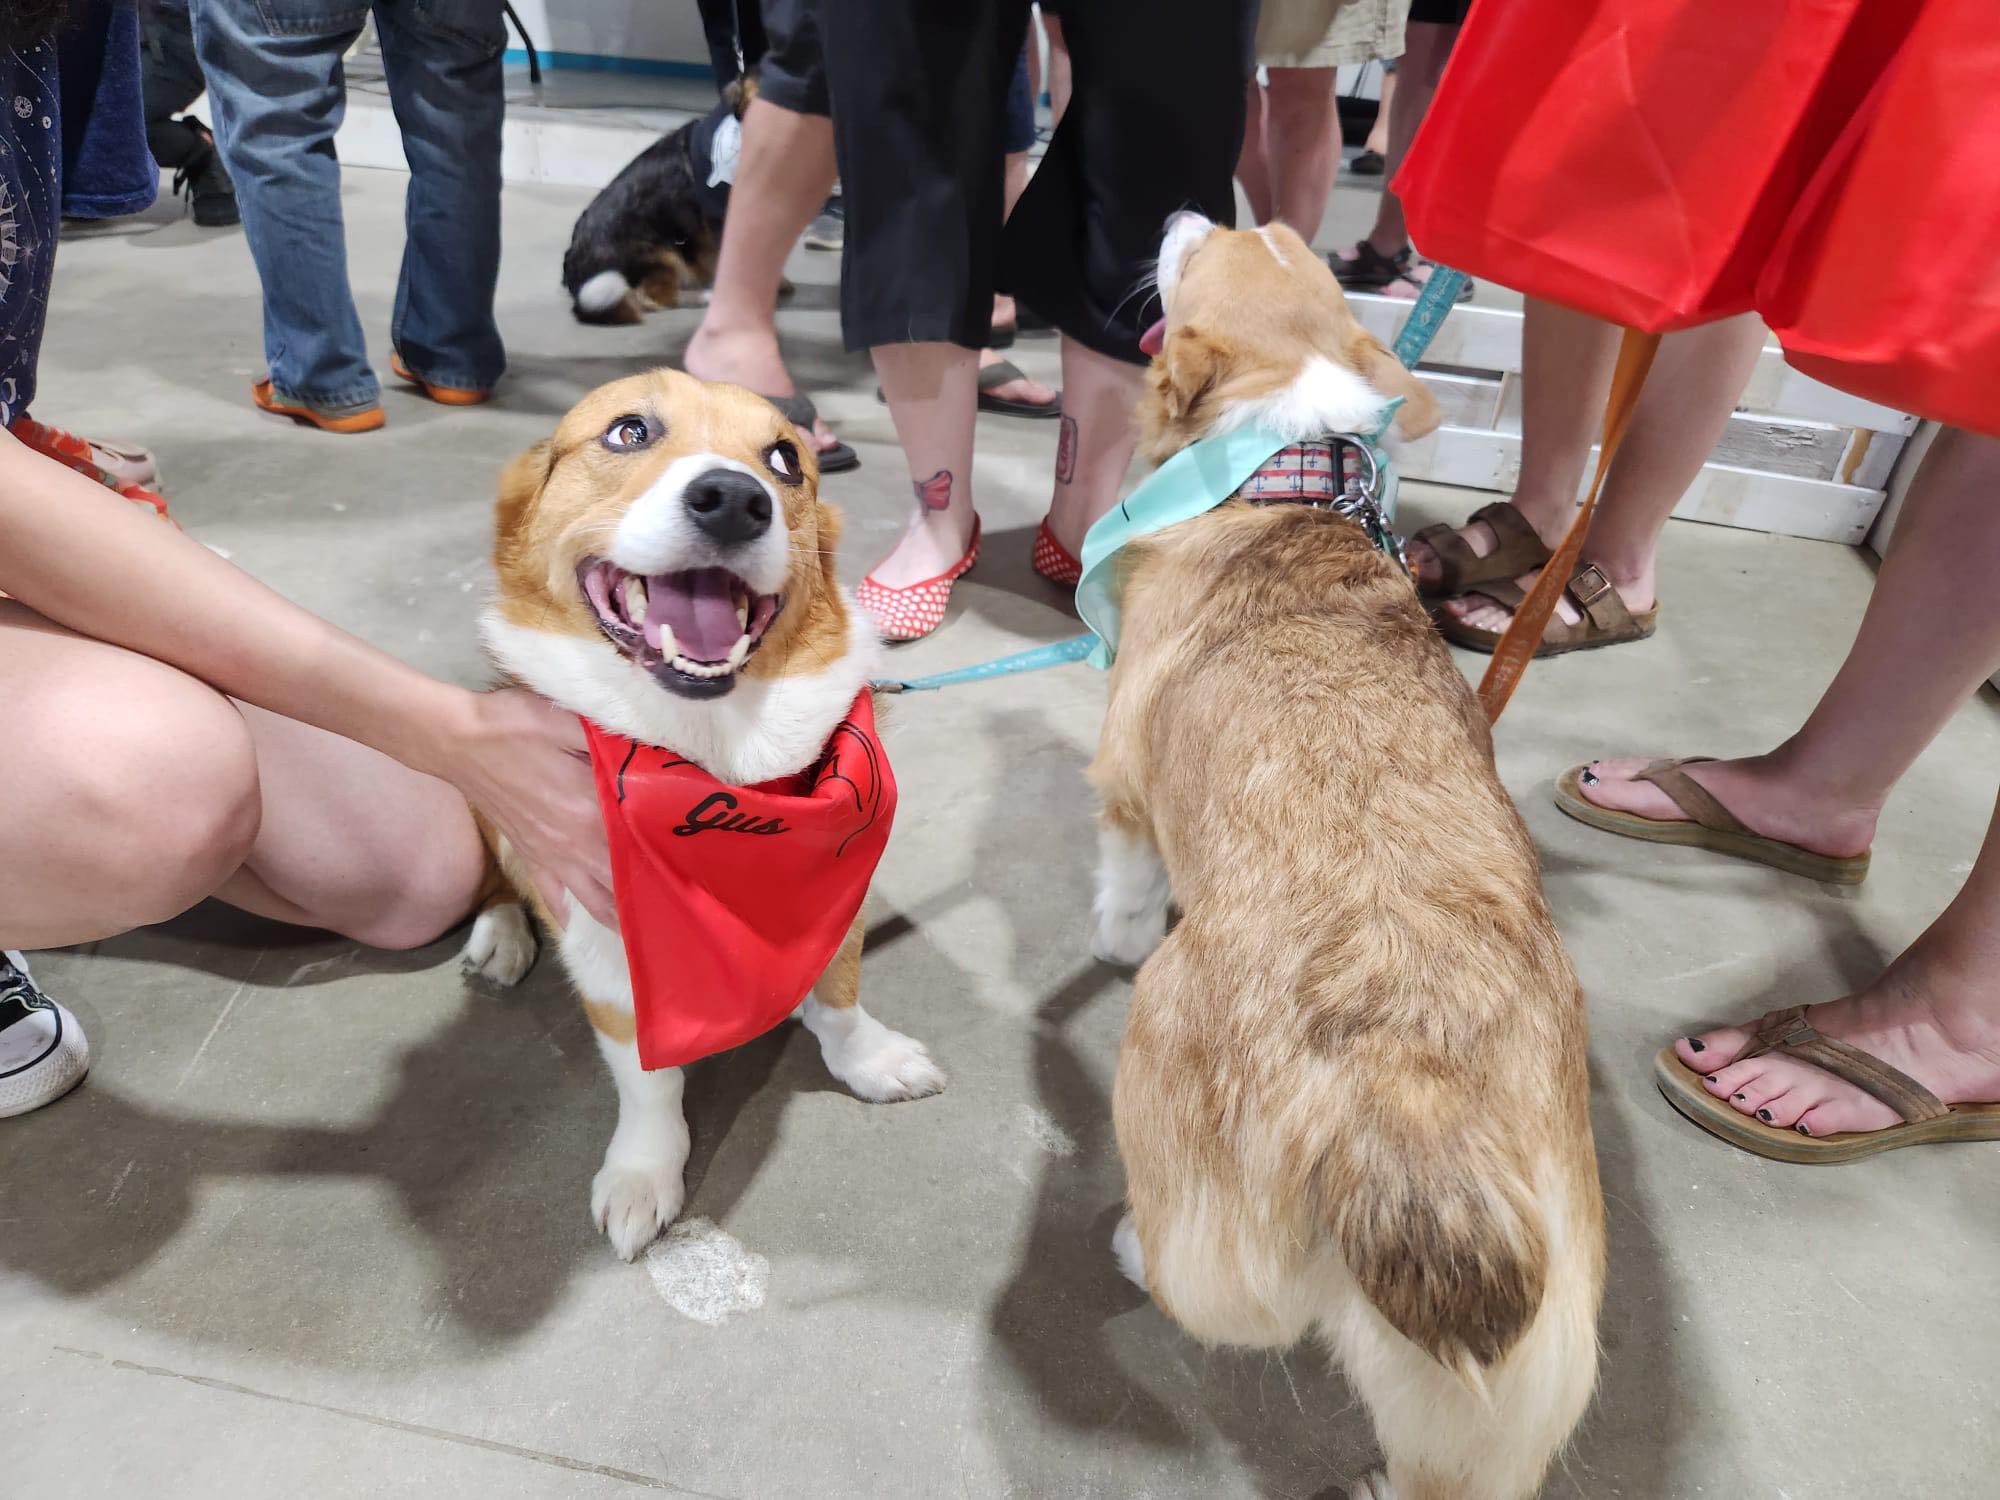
[
  {"x": 1066, "y": 450},
  {"x": 933, "y": 493}
]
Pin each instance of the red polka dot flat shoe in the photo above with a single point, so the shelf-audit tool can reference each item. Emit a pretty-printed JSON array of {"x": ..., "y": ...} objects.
[
  {"x": 1052, "y": 560},
  {"x": 914, "y": 611}
]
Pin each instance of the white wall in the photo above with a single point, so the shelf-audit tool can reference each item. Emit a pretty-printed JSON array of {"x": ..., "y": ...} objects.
[{"x": 648, "y": 30}]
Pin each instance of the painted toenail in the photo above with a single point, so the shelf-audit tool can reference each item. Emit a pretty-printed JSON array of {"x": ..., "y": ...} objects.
[
  {"x": 1739, "y": 1098},
  {"x": 1764, "y": 1114},
  {"x": 1801, "y": 1130},
  {"x": 1588, "y": 778},
  {"x": 1695, "y": 1044}
]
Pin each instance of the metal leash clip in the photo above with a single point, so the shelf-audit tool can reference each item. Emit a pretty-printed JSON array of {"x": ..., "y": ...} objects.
[{"x": 1360, "y": 501}]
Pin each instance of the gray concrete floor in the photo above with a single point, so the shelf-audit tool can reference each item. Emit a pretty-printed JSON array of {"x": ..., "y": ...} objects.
[{"x": 316, "y": 1224}]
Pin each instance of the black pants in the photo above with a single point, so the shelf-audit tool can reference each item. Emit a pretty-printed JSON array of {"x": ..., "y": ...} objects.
[
  {"x": 733, "y": 30},
  {"x": 919, "y": 89},
  {"x": 171, "y": 79}
]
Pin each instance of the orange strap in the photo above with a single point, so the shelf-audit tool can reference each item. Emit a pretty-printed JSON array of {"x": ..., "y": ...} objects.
[{"x": 1524, "y": 632}]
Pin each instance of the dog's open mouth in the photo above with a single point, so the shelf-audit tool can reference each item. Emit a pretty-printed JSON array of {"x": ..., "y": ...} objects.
[{"x": 692, "y": 630}]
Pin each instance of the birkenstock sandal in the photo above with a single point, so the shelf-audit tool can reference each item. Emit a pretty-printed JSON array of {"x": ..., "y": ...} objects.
[
  {"x": 1927, "y": 1120},
  {"x": 1709, "y": 825},
  {"x": 1520, "y": 549},
  {"x": 1605, "y": 619},
  {"x": 799, "y": 410}
]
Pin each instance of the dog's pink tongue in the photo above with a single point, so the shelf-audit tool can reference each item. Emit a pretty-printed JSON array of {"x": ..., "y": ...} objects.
[
  {"x": 1154, "y": 339},
  {"x": 700, "y": 608}
]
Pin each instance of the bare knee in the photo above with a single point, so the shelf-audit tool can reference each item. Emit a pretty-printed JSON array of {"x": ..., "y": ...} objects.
[
  {"x": 1300, "y": 100},
  {"x": 170, "y": 813},
  {"x": 432, "y": 895}
]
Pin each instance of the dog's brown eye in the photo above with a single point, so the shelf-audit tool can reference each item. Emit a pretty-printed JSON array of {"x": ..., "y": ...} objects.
[
  {"x": 628, "y": 433},
  {"x": 784, "y": 461}
]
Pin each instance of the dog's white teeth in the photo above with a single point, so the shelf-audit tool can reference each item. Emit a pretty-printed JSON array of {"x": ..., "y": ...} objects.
[
  {"x": 737, "y": 652},
  {"x": 635, "y": 599},
  {"x": 742, "y": 613},
  {"x": 702, "y": 668}
]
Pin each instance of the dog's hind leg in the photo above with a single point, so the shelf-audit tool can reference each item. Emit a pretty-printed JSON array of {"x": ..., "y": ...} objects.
[
  {"x": 880, "y": 1065},
  {"x": 1133, "y": 892},
  {"x": 638, "y": 1191}
]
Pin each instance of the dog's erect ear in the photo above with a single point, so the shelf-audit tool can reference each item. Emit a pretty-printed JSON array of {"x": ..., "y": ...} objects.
[
  {"x": 1189, "y": 367},
  {"x": 1419, "y": 412},
  {"x": 520, "y": 482}
]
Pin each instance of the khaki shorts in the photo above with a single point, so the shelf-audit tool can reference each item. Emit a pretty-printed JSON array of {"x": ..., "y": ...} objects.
[{"x": 1363, "y": 31}]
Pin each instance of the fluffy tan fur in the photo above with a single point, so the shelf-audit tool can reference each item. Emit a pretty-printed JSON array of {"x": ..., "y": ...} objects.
[{"x": 1352, "y": 1097}]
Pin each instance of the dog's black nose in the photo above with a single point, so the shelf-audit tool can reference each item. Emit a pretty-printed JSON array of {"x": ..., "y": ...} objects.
[{"x": 729, "y": 507}]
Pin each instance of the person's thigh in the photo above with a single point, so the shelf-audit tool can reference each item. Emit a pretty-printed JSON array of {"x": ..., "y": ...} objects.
[
  {"x": 353, "y": 841},
  {"x": 130, "y": 788}
]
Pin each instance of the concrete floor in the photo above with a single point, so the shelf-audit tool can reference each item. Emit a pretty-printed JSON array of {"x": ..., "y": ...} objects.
[{"x": 316, "y": 1224}]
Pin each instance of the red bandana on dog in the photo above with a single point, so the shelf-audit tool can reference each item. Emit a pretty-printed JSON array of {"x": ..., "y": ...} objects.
[{"x": 733, "y": 900}]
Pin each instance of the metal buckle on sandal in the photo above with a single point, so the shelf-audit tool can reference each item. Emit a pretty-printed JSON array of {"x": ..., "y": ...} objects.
[{"x": 1589, "y": 586}]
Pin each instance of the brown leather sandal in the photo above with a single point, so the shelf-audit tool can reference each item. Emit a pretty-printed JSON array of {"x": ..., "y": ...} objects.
[
  {"x": 1606, "y": 621},
  {"x": 1709, "y": 825},
  {"x": 1519, "y": 550},
  {"x": 1926, "y": 1118}
]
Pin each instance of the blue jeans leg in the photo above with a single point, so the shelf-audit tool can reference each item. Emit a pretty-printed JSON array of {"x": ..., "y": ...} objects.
[
  {"x": 442, "y": 62},
  {"x": 278, "y": 91}
]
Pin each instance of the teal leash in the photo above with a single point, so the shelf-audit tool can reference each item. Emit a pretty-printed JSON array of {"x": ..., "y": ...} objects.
[{"x": 1433, "y": 305}]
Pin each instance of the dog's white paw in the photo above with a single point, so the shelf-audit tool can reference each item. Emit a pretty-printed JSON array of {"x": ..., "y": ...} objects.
[
  {"x": 1125, "y": 1249},
  {"x": 878, "y": 1064},
  {"x": 1128, "y": 937},
  {"x": 1373, "y": 1485},
  {"x": 633, "y": 1201},
  {"x": 501, "y": 946}
]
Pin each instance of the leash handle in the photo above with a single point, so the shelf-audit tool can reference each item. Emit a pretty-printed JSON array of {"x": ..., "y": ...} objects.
[{"x": 1524, "y": 632}]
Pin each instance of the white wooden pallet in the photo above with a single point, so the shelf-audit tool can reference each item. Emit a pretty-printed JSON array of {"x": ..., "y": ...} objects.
[{"x": 1798, "y": 457}]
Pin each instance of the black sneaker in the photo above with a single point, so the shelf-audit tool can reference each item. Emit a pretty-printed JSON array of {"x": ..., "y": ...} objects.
[
  {"x": 205, "y": 181},
  {"x": 43, "y": 1054}
]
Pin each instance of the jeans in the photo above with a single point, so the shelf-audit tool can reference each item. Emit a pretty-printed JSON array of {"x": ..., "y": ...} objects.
[{"x": 277, "y": 86}]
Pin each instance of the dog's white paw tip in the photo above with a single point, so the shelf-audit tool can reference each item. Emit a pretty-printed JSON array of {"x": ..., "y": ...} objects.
[
  {"x": 884, "y": 1066},
  {"x": 1128, "y": 938},
  {"x": 1371, "y": 1486},
  {"x": 1125, "y": 1249},
  {"x": 632, "y": 1205},
  {"x": 501, "y": 946}
]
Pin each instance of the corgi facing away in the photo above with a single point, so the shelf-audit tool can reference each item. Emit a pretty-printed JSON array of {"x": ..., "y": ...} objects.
[
  {"x": 1352, "y": 1095},
  {"x": 666, "y": 570}
]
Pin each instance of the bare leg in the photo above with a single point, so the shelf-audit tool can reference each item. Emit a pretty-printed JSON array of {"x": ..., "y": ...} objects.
[
  {"x": 1059, "y": 74},
  {"x": 198, "y": 797},
  {"x": 1300, "y": 150},
  {"x": 1426, "y": 49},
  {"x": 1378, "y": 134},
  {"x": 785, "y": 172},
  {"x": 1918, "y": 655},
  {"x": 1005, "y": 313},
  {"x": 1098, "y": 436},
  {"x": 932, "y": 391},
  {"x": 1687, "y": 401},
  {"x": 1253, "y": 167}
]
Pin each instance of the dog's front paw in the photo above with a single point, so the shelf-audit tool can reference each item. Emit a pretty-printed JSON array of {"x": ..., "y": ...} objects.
[
  {"x": 633, "y": 1201},
  {"x": 880, "y": 1065},
  {"x": 501, "y": 945},
  {"x": 1126, "y": 936},
  {"x": 1125, "y": 1250}
]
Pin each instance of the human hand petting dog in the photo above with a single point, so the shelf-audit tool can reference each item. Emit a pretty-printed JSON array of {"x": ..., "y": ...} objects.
[{"x": 524, "y": 764}]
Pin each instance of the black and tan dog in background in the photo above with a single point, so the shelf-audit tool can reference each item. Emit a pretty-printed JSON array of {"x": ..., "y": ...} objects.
[{"x": 653, "y": 234}]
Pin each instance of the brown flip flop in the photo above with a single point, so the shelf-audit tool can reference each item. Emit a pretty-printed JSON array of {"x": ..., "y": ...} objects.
[
  {"x": 1605, "y": 619},
  {"x": 1520, "y": 550},
  {"x": 1926, "y": 1118},
  {"x": 1709, "y": 825}
]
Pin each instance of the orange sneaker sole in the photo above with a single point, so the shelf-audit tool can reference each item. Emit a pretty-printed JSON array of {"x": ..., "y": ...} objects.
[
  {"x": 444, "y": 395},
  {"x": 356, "y": 421}
]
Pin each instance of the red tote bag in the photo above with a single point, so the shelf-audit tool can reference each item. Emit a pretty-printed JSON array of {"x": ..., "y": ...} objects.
[
  {"x": 1636, "y": 159},
  {"x": 1886, "y": 281}
]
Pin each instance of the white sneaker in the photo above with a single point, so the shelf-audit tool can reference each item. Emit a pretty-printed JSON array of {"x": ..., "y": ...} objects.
[{"x": 43, "y": 1053}]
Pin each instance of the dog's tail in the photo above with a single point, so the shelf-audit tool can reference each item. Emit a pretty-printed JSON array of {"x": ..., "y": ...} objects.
[
  {"x": 606, "y": 297},
  {"x": 1435, "y": 1213}
]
